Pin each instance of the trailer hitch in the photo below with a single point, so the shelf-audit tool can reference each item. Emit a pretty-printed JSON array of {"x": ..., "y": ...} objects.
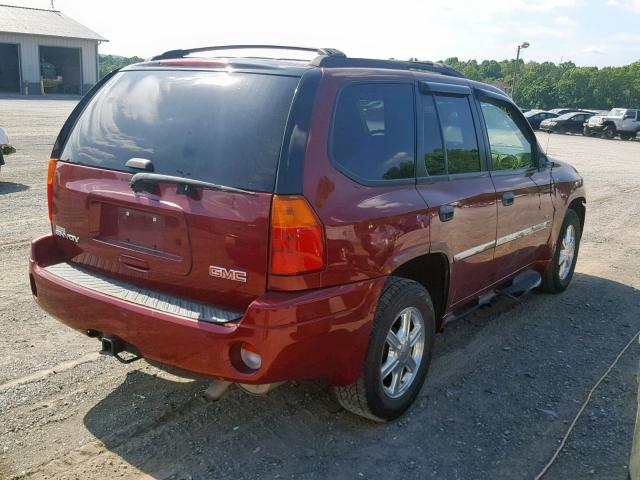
[{"x": 114, "y": 346}]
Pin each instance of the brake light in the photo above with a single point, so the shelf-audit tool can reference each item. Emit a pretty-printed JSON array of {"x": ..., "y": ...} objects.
[
  {"x": 194, "y": 62},
  {"x": 297, "y": 240},
  {"x": 52, "y": 169}
]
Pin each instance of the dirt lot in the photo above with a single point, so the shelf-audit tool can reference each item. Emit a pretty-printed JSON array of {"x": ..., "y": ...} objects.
[{"x": 504, "y": 384}]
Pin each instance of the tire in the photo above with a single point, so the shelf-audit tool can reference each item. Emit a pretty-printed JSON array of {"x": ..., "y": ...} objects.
[
  {"x": 586, "y": 132},
  {"x": 625, "y": 136},
  {"x": 609, "y": 132},
  {"x": 559, "y": 272},
  {"x": 372, "y": 395}
]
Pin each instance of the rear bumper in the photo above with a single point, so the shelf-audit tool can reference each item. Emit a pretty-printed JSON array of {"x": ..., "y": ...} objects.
[{"x": 319, "y": 334}]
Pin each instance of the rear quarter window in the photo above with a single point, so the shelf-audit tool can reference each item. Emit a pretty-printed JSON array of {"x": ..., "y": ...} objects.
[
  {"x": 372, "y": 137},
  {"x": 220, "y": 127}
]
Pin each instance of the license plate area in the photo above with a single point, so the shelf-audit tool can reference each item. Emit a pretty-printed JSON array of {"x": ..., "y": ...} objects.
[
  {"x": 141, "y": 229},
  {"x": 146, "y": 238}
]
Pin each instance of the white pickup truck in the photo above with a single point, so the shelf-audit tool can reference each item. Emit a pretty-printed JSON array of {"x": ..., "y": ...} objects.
[{"x": 619, "y": 121}]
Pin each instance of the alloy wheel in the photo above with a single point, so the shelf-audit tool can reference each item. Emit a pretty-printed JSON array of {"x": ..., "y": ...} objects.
[
  {"x": 567, "y": 252},
  {"x": 403, "y": 351}
]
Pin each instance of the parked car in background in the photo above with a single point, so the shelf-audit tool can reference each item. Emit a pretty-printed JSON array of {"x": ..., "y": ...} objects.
[
  {"x": 328, "y": 234},
  {"x": 624, "y": 122},
  {"x": 5, "y": 148},
  {"x": 572, "y": 122},
  {"x": 562, "y": 111},
  {"x": 534, "y": 117}
]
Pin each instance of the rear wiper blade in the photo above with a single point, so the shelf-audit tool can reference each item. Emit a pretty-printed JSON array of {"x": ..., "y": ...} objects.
[{"x": 144, "y": 181}]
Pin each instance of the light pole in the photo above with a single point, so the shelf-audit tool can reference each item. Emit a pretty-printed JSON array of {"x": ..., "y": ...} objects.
[{"x": 515, "y": 70}]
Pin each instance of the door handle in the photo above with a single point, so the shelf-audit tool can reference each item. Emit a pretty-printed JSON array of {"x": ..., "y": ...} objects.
[
  {"x": 507, "y": 198},
  {"x": 134, "y": 263},
  {"x": 446, "y": 213}
]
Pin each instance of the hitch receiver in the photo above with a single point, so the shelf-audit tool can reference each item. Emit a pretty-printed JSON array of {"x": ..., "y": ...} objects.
[{"x": 114, "y": 346}]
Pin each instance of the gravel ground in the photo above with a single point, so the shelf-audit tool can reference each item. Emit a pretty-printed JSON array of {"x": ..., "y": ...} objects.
[{"x": 504, "y": 385}]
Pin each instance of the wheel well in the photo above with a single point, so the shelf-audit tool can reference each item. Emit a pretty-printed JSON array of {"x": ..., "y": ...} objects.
[
  {"x": 432, "y": 272},
  {"x": 578, "y": 206}
]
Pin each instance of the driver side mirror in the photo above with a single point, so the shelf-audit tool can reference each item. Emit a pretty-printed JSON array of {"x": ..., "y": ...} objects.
[{"x": 543, "y": 160}]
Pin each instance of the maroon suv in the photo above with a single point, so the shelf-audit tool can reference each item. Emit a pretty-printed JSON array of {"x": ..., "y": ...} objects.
[{"x": 256, "y": 220}]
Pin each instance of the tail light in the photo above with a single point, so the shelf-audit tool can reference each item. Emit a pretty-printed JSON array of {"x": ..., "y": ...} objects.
[
  {"x": 52, "y": 169},
  {"x": 297, "y": 240}
]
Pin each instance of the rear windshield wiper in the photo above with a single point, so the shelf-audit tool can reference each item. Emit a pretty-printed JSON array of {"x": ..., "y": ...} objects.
[{"x": 149, "y": 182}]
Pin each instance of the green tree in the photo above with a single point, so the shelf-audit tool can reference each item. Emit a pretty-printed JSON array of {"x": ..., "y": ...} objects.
[
  {"x": 490, "y": 69},
  {"x": 108, "y": 63},
  {"x": 548, "y": 85}
]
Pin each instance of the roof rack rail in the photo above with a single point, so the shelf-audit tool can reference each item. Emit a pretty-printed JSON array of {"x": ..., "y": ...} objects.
[
  {"x": 180, "y": 53},
  {"x": 344, "y": 61},
  {"x": 326, "y": 57}
]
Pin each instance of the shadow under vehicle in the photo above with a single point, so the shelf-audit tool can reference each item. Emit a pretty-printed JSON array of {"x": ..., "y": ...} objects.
[{"x": 494, "y": 406}]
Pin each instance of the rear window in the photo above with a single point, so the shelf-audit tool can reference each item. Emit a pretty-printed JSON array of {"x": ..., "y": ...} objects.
[{"x": 220, "y": 127}]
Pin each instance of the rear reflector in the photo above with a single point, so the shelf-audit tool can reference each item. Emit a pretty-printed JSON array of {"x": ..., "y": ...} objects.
[
  {"x": 297, "y": 241},
  {"x": 52, "y": 169},
  {"x": 250, "y": 356}
]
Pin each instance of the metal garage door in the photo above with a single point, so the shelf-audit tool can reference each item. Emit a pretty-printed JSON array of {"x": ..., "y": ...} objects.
[{"x": 9, "y": 68}]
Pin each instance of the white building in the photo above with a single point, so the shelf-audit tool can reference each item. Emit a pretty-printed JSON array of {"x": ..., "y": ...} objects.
[{"x": 44, "y": 49}]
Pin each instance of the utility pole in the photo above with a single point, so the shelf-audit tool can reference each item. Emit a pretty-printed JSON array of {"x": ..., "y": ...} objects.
[{"x": 515, "y": 70}]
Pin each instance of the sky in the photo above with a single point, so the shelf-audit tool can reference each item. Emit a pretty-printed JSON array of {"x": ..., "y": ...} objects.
[{"x": 587, "y": 32}]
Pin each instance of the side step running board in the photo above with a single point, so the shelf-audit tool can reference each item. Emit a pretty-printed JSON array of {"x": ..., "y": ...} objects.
[{"x": 521, "y": 284}]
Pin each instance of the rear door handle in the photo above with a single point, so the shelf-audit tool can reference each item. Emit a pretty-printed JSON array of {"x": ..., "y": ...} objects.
[
  {"x": 134, "y": 263},
  {"x": 507, "y": 198},
  {"x": 446, "y": 213}
]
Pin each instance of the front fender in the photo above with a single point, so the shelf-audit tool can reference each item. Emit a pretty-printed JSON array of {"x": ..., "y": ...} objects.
[{"x": 568, "y": 187}]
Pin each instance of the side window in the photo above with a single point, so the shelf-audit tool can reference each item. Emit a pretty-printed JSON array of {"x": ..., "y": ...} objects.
[
  {"x": 373, "y": 131},
  {"x": 459, "y": 134},
  {"x": 434, "y": 160},
  {"x": 510, "y": 148}
]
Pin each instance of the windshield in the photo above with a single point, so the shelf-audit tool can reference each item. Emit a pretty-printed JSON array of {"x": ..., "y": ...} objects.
[
  {"x": 616, "y": 112},
  {"x": 566, "y": 116},
  {"x": 220, "y": 127},
  {"x": 532, "y": 113}
]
